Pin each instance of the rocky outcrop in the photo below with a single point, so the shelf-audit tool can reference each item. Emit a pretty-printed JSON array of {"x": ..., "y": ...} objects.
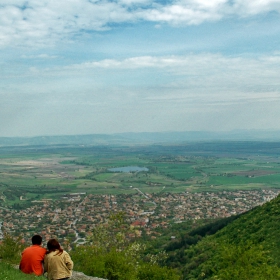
[
  {"x": 81, "y": 276},
  {"x": 76, "y": 275}
]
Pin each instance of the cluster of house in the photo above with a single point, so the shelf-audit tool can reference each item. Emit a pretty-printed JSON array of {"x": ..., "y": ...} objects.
[{"x": 73, "y": 217}]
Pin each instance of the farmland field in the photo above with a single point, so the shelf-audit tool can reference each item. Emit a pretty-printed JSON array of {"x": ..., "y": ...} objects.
[{"x": 37, "y": 172}]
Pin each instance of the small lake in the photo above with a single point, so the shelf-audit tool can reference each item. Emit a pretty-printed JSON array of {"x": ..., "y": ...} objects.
[{"x": 128, "y": 169}]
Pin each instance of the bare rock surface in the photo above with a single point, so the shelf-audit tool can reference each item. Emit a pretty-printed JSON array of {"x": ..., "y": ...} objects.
[
  {"x": 81, "y": 276},
  {"x": 76, "y": 275}
]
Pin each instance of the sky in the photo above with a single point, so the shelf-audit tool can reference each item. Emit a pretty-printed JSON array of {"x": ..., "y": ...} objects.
[{"x": 102, "y": 67}]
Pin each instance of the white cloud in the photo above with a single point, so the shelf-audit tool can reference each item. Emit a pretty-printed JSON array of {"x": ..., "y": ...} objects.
[
  {"x": 48, "y": 21},
  {"x": 131, "y": 63},
  {"x": 212, "y": 76},
  {"x": 188, "y": 12},
  {"x": 39, "y": 56},
  {"x": 190, "y": 64},
  {"x": 145, "y": 93},
  {"x": 248, "y": 7},
  {"x": 178, "y": 14}
]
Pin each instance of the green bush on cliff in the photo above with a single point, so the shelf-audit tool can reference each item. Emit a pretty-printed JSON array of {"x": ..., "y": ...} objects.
[
  {"x": 111, "y": 255},
  {"x": 110, "y": 265},
  {"x": 149, "y": 271},
  {"x": 11, "y": 248},
  {"x": 119, "y": 265}
]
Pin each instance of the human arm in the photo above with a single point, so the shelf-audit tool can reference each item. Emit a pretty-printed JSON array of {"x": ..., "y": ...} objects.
[
  {"x": 45, "y": 263},
  {"x": 69, "y": 263}
]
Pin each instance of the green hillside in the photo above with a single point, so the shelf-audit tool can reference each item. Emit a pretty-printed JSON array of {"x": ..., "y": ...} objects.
[
  {"x": 247, "y": 247},
  {"x": 244, "y": 247}
]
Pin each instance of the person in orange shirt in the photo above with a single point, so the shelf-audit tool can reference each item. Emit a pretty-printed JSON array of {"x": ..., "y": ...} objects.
[{"x": 32, "y": 257}]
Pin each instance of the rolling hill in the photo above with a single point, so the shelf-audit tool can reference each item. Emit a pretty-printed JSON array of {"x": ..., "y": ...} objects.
[{"x": 244, "y": 247}]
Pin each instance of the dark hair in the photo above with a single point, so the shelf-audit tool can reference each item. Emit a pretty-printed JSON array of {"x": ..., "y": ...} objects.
[
  {"x": 36, "y": 240},
  {"x": 53, "y": 245}
]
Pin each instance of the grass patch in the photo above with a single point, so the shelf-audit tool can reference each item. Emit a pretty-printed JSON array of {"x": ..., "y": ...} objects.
[{"x": 9, "y": 272}]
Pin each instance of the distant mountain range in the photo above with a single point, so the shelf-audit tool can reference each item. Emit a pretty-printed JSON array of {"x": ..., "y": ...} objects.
[{"x": 143, "y": 138}]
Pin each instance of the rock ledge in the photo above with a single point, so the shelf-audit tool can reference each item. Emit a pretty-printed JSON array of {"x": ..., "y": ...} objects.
[{"x": 81, "y": 276}]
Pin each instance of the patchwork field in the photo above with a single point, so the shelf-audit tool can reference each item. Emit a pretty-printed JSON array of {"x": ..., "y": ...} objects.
[{"x": 33, "y": 173}]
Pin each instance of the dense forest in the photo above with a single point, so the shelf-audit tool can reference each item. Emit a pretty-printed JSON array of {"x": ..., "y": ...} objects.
[{"x": 241, "y": 247}]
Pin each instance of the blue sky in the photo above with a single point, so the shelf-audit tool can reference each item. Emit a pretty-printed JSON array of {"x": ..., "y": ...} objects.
[{"x": 86, "y": 66}]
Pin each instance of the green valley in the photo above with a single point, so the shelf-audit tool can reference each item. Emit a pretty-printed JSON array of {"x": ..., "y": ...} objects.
[{"x": 207, "y": 205}]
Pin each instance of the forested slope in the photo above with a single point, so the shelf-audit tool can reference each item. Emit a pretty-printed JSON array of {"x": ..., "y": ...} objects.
[{"x": 247, "y": 247}]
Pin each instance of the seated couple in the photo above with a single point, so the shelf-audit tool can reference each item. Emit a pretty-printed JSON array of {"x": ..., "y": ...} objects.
[{"x": 55, "y": 261}]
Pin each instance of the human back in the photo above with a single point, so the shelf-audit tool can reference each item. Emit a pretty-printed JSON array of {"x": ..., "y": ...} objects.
[
  {"x": 57, "y": 262},
  {"x": 32, "y": 257}
]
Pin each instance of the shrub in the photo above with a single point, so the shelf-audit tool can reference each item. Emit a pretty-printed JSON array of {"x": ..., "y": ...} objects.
[
  {"x": 154, "y": 272},
  {"x": 111, "y": 255},
  {"x": 11, "y": 248},
  {"x": 112, "y": 265}
]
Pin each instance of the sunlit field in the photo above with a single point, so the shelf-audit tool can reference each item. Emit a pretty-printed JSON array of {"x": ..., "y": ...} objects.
[{"x": 32, "y": 174}]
